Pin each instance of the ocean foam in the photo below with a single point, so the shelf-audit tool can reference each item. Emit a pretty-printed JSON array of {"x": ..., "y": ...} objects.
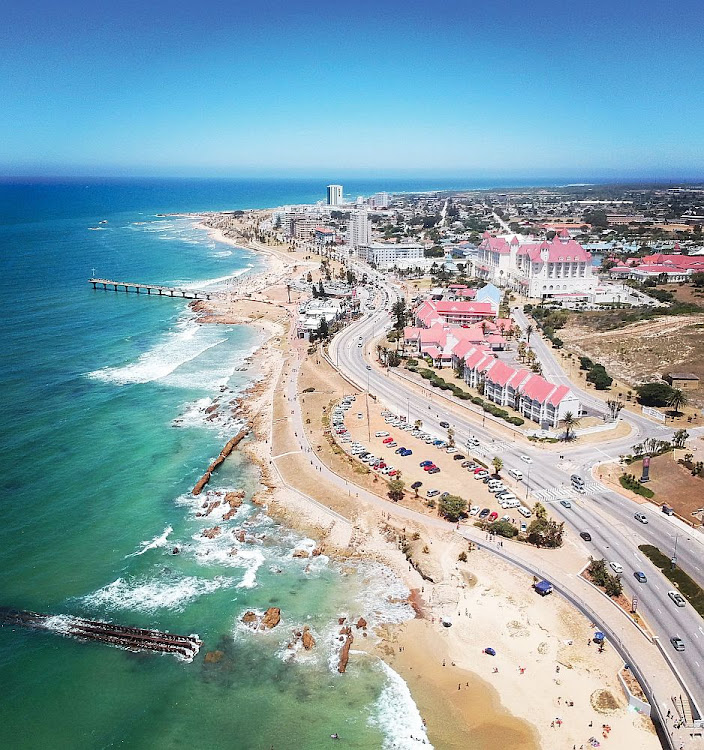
[
  {"x": 383, "y": 596},
  {"x": 157, "y": 541},
  {"x": 185, "y": 343},
  {"x": 397, "y": 715},
  {"x": 150, "y": 595},
  {"x": 254, "y": 559}
]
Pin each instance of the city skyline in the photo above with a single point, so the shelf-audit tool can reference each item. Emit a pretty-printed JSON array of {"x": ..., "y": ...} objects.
[{"x": 277, "y": 89}]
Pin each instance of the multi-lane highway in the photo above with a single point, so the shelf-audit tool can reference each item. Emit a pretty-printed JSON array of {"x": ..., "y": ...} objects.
[{"x": 608, "y": 516}]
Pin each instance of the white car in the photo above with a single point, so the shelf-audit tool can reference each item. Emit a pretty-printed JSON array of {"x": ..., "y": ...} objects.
[
  {"x": 677, "y": 598},
  {"x": 525, "y": 512},
  {"x": 381, "y": 433},
  {"x": 526, "y": 459},
  {"x": 451, "y": 449},
  {"x": 641, "y": 517},
  {"x": 474, "y": 510},
  {"x": 432, "y": 493},
  {"x": 616, "y": 567}
]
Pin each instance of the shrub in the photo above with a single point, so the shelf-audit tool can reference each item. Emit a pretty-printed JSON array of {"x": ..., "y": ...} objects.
[
  {"x": 504, "y": 528},
  {"x": 585, "y": 363},
  {"x": 629, "y": 482},
  {"x": 654, "y": 394},
  {"x": 410, "y": 362}
]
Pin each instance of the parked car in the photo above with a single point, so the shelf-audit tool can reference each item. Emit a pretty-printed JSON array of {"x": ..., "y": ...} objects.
[
  {"x": 430, "y": 465},
  {"x": 392, "y": 445},
  {"x": 616, "y": 567},
  {"x": 432, "y": 493},
  {"x": 641, "y": 517},
  {"x": 474, "y": 510},
  {"x": 381, "y": 434},
  {"x": 524, "y": 527},
  {"x": 425, "y": 463},
  {"x": 451, "y": 449},
  {"x": 494, "y": 515},
  {"x": 481, "y": 474},
  {"x": 407, "y": 452},
  {"x": 434, "y": 470},
  {"x": 586, "y": 536},
  {"x": 444, "y": 495},
  {"x": 400, "y": 450},
  {"x": 525, "y": 512},
  {"x": 458, "y": 457},
  {"x": 466, "y": 464},
  {"x": 640, "y": 577},
  {"x": 445, "y": 425},
  {"x": 677, "y": 643},
  {"x": 526, "y": 459},
  {"x": 677, "y": 598},
  {"x": 484, "y": 513},
  {"x": 387, "y": 440}
]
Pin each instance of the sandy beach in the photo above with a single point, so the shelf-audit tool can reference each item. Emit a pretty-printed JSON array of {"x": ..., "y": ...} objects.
[{"x": 547, "y": 686}]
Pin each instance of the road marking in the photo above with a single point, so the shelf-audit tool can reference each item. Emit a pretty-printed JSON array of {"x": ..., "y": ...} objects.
[{"x": 659, "y": 610}]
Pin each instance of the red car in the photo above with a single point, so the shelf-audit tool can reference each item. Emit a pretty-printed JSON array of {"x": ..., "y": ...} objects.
[
  {"x": 428, "y": 467},
  {"x": 388, "y": 440},
  {"x": 393, "y": 473},
  {"x": 381, "y": 465},
  {"x": 493, "y": 516}
]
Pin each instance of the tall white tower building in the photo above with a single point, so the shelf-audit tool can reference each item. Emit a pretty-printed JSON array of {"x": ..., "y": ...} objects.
[
  {"x": 360, "y": 229},
  {"x": 334, "y": 195}
]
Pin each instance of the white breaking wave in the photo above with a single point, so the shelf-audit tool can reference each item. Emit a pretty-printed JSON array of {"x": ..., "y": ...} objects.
[
  {"x": 150, "y": 595},
  {"x": 211, "y": 282},
  {"x": 157, "y": 541},
  {"x": 384, "y": 596},
  {"x": 255, "y": 560},
  {"x": 397, "y": 715},
  {"x": 179, "y": 346}
]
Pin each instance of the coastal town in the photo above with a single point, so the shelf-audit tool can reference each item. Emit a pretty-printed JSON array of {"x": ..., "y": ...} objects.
[{"x": 420, "y": 342}]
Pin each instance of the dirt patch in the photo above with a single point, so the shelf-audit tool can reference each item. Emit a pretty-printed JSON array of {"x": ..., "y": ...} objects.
[
  {"x": 604, "y": 701},
  {"x": 674, "y": 485},
  {"x": 642, "y": 351}
]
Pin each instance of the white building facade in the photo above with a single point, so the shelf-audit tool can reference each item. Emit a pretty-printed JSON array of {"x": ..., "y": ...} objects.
[
  {"x": 360, "y": 229},
  {"x": 387, "y": 255},
  {"x": 536, "y": 268},
  {"x": 334, "y": 193}
]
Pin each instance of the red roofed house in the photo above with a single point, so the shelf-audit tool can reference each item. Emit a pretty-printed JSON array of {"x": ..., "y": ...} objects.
[
  {"x": 531, "y": 395},
  {"x": 453, "y": 312}
]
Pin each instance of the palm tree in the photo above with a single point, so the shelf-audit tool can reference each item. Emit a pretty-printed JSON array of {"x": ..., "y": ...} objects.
[
  {"x": 450, "y": 436},
  {"x": 498, "y": 464},
  {"x": 571, "y": 423},
  {"x": 529, "y": 330},
  {"x": 677, "y": 399},
  {"x": 418, "y": 424}
]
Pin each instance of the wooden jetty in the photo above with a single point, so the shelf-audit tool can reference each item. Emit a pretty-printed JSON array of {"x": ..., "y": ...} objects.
[
  {"x": 159, "y": 289},
  {"x": 133, "y": 639}
]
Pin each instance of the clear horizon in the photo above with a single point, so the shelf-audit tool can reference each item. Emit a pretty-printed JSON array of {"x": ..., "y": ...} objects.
[{"x": 541, "y": 90}]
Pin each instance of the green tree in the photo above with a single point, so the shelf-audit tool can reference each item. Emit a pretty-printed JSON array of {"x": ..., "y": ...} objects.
[
  {"x": 529, "y": 331},
  {"x": 543, "y": 532},
  {"x": 613, "y": 586},
  {"x": 452, "y": 507},
  {"x": 459, "y": 370},
  {"x": 498, "y": 464},
  {"x": 399, "y": 312},
  {"x": 571, "y": 423},
  {"x": 540, "y": 511},
  {"x": 697, "y": 279},
  {"x": 309, "y": 277},
  {"x": 393, "y": 359},
  {"x": 600, "y": 378},
  {"x": 323, "y": 329},
  {"x": 396, "y": 488},
  {"x": 654, "y": 394},
  {"x": 504, "y": 528},
  {"x": 678, "y": 399},
  {"x": 680, "y": 438}
]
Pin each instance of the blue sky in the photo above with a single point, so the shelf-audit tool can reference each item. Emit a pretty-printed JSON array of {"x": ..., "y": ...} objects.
[{"x": 465, "y": 88}]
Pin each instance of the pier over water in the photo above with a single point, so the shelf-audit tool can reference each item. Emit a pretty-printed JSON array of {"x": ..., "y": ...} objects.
[{"x": 162, "y": 291}]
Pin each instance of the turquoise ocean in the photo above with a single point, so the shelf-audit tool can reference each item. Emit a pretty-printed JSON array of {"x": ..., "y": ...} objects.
[{"x": 103, "y": 436}]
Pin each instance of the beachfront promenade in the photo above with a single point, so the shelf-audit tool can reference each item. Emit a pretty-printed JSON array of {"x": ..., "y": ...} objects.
[{"x": 159, "y": 289}]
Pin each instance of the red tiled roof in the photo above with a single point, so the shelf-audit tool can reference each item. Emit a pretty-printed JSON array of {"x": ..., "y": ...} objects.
[
  {"x": 537, "y": 388},
  {"x": 500, "y": 373},
  {"x": 560, "y": 392}
]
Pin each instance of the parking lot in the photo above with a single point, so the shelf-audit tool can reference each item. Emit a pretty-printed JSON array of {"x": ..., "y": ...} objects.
[{"x": 386, "y": 444}]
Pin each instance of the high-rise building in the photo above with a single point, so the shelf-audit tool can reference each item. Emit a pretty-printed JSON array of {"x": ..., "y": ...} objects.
[
  {"x": 380, "y": 200},
  {"x": 360, "y": 229},
  {"x": 334, "y": 195}
]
